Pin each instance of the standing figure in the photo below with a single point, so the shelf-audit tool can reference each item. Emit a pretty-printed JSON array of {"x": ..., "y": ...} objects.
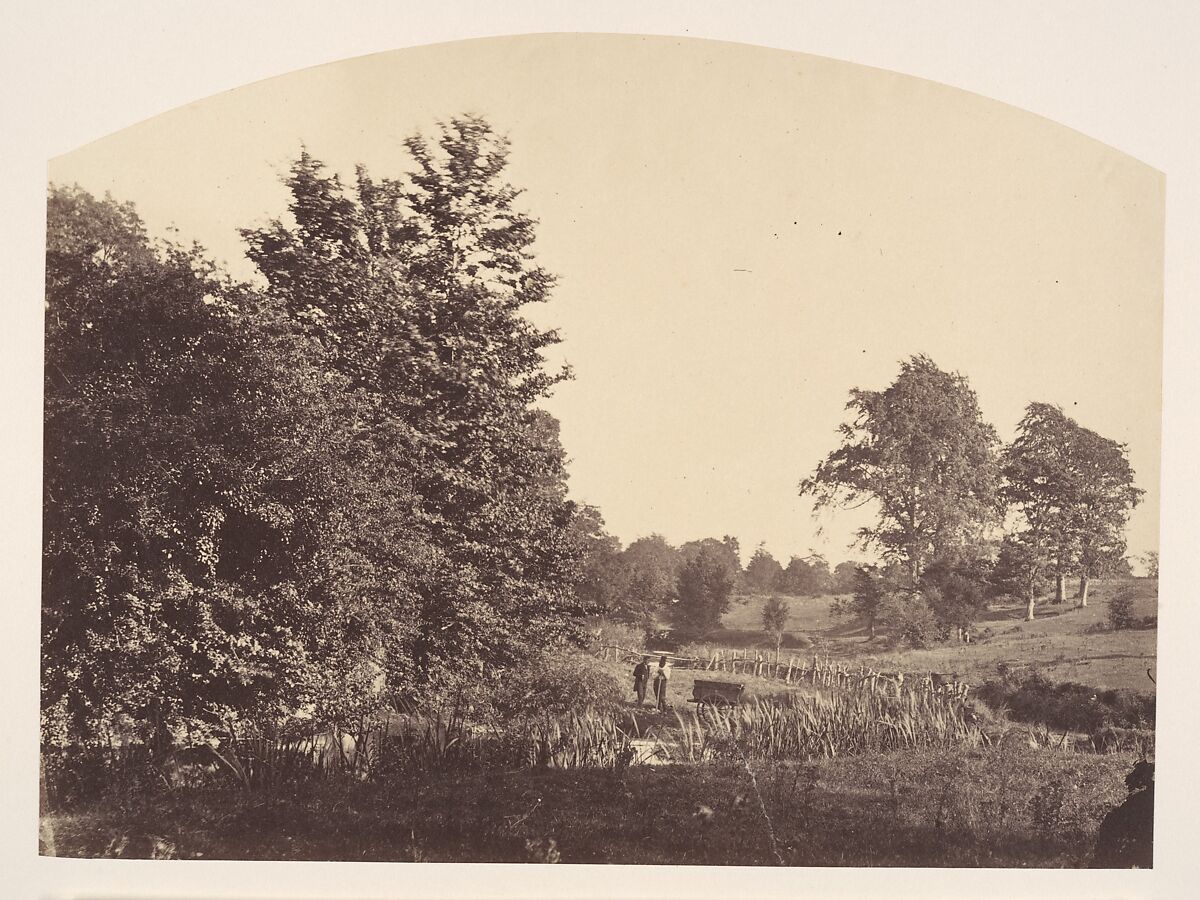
[
  {"x": 662, "y": 677},
  {"x": 641, "y": 677}
]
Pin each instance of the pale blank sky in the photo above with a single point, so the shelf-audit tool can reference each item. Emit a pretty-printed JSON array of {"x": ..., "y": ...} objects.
[{"x": 875, "y": 216}]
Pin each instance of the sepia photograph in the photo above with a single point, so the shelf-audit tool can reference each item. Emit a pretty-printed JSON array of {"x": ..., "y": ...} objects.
[{"x": 611, "y": 449}]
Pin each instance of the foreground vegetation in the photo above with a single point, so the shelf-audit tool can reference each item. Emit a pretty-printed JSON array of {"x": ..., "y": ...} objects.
[
  {"x": 806, "y": 777},
  {"x": 965, "y": 807}
]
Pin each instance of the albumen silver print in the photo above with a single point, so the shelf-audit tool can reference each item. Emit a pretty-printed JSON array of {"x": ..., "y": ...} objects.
[{"x": 602, "y": 449}]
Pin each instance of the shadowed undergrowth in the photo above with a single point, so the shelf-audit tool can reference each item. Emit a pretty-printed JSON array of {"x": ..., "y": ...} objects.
[{"x": 961, "y": 807}]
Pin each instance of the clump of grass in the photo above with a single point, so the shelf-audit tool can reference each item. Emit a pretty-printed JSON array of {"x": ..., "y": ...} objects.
[
  {"x": 578, "y": 741},
  {"x": 808, "y": 727}
]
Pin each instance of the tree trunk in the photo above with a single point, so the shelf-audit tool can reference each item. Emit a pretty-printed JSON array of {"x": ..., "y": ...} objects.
[
  {"x": 46, "y": 842},
  {"x": 871, "y": 628},
  {"x": 1060, "y": 588},
  {"x": 1083, "y": 590},
  {"x": 1029, "y": 609}
]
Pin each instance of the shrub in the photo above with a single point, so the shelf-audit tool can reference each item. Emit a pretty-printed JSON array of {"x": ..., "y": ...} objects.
[
  {"x": 1120, "y": 610},
  {"x": 606, "y": 633},
  {"x": 1067, "y": 705},
  {"x": 555, "y": 682},
  {"x": 910, "y": 620},
  {"x": 957, "y": 594}
]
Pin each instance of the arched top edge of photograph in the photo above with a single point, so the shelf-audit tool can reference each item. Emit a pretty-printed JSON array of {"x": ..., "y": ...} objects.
[{"x": 601, "y": 449}]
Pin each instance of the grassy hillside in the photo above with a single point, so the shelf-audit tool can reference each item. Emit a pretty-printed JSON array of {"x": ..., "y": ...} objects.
[{"x": 1065, "y": 642}]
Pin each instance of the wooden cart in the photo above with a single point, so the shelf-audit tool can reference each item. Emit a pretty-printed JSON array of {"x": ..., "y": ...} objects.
[{"x": 717, "y": 693}]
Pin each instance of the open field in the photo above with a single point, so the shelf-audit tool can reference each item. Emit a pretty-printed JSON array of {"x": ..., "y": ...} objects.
[
  {"x": 1065, "y": 642},
  {"x": 968, "y": 807}
]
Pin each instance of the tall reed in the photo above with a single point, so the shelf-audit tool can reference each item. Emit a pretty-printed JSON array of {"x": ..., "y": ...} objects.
[{"x": 807, "y": 727}]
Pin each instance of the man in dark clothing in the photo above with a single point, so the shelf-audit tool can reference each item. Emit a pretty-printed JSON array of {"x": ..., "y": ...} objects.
[
  {"x": 641, "y": 677},
  {"x": 662, "y": 677},
  {"x": 1126, "y": 836}
]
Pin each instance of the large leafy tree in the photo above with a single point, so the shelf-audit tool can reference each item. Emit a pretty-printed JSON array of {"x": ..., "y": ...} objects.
[
  {"x": 192, "y": 478},
  {"x": 705, "y": 587},
  {"x": 1040, "y": 482},
  {"x": 808, "y": 576},
  {"x": 415, "y": 287},
  {"x": 921, "y": 452},
  {"x": 1073, "y": 490},
  {"x": 725, "y": 549},
  {"x": 652, "y": 568},
  {"x": 843, "y": 577},
  {"x": 1105, "y": 498},
  {"x": 763, "y": 573}
]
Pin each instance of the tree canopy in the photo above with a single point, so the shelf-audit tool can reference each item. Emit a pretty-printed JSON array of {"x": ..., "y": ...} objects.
[
  {"x": 1072, "y": 490},
  {"x": 414, "y": 287},
  {"x": 705, "y": 586},
  {"x": 921, "y": 452},
  {"x": 192, "y": 475},
  {"x": 331, "y": 491},
  {"x": 808, "y": 576},
  {"x": 763, "y": 573}
]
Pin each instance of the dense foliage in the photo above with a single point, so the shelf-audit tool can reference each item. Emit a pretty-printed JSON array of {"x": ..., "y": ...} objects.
[
  {"x": 192, "y": 476},
  {"x": 921, "y": 452},
  {"x": 414, "y": 288},
  {"x": 1073, "y": 491},
  {"x": 763, "y": 573},
  {"x": 706, "y": 582},
  {"x": 307, "y": 500},
  {"x": 1066, "y": 704}
]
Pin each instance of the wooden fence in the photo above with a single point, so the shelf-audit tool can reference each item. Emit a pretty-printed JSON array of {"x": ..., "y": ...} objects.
[{"x": 816, "y": 671}]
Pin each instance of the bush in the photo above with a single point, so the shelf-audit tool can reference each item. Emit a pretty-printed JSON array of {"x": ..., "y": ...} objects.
[
  {"x": 1068, "y": 705},
  {"x": 607, "y": 633},
  {"x": 1120, "y": 610},
  {"x": 957, "y": 594},
  {"x": 554, "y": 682},
  {"x": 114, "y": 774},
  {"x": 910, "y": 620}
]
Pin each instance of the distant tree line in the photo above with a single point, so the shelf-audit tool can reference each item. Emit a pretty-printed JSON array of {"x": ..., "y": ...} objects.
[{"x": 691, "y": 586}]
